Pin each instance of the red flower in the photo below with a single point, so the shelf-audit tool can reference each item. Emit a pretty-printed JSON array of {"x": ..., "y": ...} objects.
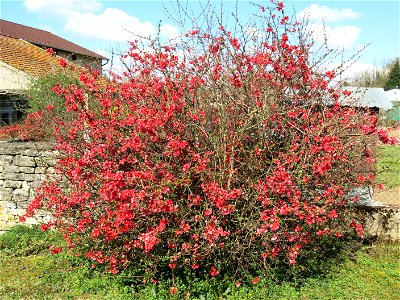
[
  {"x": 255, "y": 280},
  {"x": 55, "y": 250},
  {"x": 172, "y": 265},
  {"x": 333, "y": 214},
  {"x": 173, "y": 290},
  {"x": 62, "y": 62},
  {"x": 51, "y": 51},
  {"x": 214, "y": 271},
  {"x": 208, "y": 212}
]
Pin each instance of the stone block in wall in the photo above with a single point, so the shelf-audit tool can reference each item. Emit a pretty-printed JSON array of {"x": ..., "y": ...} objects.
[
  {"x": 24, "y": 161},
  {"x": 17, "y": 169},
  {"x": 35, "y": 184},
  {"x": 45, "y": 161},
  {"x": 22, "y": 193},
  {"x": 5, "y": 159},
  {"x": 30, "y": 152},
  {"x": 15, "y": 184},
  {"x": 382, "y": 223},
  {"x": 23, "y": 204},
  {"x": 13, "y": 176},
  {"x": 40, "y": 170},
  {"x": 11, "y": 169},
  {"x": 8, "y": 148},
  {"x": 50, "y": 170},
  {"x": 22, "y": 177},
  {"x": 31, "y": 221},
  {"x": 44, "y": 170},
  {"x": 16, "y": 212},
  {"x": 27, "y": 170},
  {"x": 25, "y": 186},
  {"x": 48, "y": 153},
  {"x": 5, "y": 205},
  {"x": 6, "y": 194}
]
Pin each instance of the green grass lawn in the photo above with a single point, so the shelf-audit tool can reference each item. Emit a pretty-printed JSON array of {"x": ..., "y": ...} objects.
[
  {"x": 29, "y": 272},
  {"x": 388, "y": 165}
]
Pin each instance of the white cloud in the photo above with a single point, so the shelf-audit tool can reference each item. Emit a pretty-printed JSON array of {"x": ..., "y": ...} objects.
[
  {"x": 169, "y": 31},
  {"x": 351, "y": 69},
  {"x": 62, "y": 7},
  {"x": 88, "y": 18},
  {"x": 320, "y": 12},
  {"x": 102, "y": 52},
  {"x": 112, "y": 25},
  {"x": 337, "y": 37},
  {"x": 356, "y": 68}
]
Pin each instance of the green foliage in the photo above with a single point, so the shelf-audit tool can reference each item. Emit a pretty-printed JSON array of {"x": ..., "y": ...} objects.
[
  {"x": 393, "y": 80},
  {"x": 40, "y": 94}
]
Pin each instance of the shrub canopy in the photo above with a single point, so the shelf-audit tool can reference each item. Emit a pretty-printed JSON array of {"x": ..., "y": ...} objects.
[{"x": 222, "y": 151}]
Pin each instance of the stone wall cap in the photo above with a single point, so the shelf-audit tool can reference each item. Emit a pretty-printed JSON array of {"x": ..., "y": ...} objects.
[{"x": 26, "y": 145}]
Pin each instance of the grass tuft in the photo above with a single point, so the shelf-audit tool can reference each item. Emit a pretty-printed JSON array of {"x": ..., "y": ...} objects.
[{"x": 22, "y": 240}]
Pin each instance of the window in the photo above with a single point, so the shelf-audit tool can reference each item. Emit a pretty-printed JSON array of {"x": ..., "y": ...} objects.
[{"x": 9, "y": 112}]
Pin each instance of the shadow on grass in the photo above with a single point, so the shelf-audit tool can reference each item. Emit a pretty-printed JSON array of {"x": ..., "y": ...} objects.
[{"x": 339, "y": 271}]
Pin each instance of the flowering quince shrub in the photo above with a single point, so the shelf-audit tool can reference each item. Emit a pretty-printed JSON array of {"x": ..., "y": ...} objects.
[{"x": 216, "y": 153}]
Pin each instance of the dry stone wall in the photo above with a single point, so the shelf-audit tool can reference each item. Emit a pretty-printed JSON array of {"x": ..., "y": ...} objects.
[
  {"x": 23, "y": 166},
  {"x": 381, "y": 222}
]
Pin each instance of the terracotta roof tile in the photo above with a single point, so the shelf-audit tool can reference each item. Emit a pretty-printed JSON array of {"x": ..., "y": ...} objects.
[
  {"x": 27, "y": 57},
  {"x": 32, "y": 59},
  {"x": 43, "y": 38}
]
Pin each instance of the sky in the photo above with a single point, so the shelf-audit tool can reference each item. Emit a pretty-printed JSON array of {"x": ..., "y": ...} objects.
[{"x": 106, "y": 26}]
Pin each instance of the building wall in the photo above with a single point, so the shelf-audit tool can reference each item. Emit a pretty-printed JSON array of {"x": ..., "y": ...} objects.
[
  {"x": 12, "y": 78},
  {"x": 82, "y": 60},
  {"x": 12, "y": 82}
]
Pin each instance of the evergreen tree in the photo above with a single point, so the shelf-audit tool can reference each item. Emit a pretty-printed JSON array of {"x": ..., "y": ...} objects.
[{"x": 393, "y": 80}]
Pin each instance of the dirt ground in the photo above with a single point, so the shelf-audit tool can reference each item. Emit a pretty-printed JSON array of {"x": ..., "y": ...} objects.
[
  {"x": 389, "y": 196},
  {"x": 395, "y": 133}
]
